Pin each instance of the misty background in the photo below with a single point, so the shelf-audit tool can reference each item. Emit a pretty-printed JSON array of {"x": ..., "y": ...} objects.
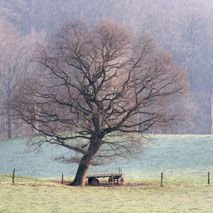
[{"x": 183, "y": 27}]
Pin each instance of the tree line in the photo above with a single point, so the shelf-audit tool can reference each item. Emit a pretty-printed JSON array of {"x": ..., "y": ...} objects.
[{"x": 184, "y": 29}]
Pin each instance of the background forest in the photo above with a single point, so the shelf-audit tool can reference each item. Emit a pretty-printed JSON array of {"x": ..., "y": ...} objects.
[{"x": 185, "y": 28}]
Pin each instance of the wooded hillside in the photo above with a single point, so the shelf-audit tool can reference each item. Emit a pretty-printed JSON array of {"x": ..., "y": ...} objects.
[{"x": 183, "y": 28}]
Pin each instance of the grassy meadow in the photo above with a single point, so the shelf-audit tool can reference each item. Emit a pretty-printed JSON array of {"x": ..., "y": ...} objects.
[
  {"x": 185, "y": 161},
  {"x": 46, "y": 196}
]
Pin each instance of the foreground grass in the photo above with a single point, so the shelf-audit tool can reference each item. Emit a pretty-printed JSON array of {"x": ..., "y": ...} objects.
[{"x": 147, "y": 198}]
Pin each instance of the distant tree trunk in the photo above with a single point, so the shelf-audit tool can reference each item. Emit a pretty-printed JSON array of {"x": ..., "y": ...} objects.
[
  {"x": 9, "y": 125},
  {"x": 211, "y": 113},
  {"x": 85, "y": 162}
]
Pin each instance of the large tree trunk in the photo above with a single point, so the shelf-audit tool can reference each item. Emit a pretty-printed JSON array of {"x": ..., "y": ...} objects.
[{"x": 80, "y": 177}]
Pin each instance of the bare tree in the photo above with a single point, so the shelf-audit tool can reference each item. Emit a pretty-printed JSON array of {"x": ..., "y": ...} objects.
[
  {"x": 15, "y": 52},
  {"x": 92, "y": 83}
]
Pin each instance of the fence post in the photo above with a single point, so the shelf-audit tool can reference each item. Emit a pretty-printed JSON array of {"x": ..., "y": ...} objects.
[
  {"x": 161, "y": 182},
  {"x": 112, "y": 180},
  {"x": 208, "y": 177},
  {"x": 13, "y": 177},
  {"x": 62, "y": 178}
]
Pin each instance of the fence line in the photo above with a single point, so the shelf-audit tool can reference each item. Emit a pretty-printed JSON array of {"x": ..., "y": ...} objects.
[{"x": 161, "y": 178}]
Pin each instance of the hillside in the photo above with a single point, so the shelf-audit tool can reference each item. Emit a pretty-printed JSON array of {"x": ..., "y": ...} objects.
[{"x": 176, "y": 155}]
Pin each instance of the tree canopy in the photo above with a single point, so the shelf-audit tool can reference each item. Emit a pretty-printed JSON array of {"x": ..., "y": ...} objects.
[{"x": 91, "y": 82}]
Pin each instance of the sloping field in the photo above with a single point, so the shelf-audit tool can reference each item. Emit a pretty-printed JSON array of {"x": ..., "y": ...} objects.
[{"x": 175, "y": 155}]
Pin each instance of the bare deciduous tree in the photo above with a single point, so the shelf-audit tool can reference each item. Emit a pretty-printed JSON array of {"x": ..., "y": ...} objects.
[
  {"x": 93, "y": 82},
  {"x": 15, "y": 52}
]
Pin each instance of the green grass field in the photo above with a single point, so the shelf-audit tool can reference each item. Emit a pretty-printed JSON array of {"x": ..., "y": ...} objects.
[
  {"x": 45, "y": 196},
  {"x": 184, "y": 160}
]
